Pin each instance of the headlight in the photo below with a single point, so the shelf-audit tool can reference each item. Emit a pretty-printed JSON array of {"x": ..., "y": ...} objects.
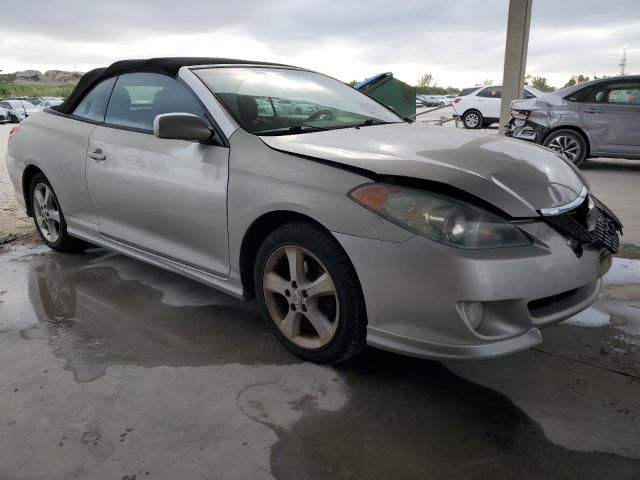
[{"x": 440, "y": 218}]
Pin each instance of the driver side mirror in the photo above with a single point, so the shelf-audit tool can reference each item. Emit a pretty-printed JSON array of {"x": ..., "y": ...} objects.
[{"x": 181, "y": 126}]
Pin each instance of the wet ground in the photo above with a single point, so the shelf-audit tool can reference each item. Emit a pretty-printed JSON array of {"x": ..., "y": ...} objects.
[{"x": 113, "y": 369}]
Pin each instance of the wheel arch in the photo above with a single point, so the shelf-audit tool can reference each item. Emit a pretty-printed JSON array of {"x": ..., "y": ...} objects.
[
  {"x": 573, "y": 128},
  {"x": 255, "y": 235},
  {"x": 28, "y": 174},
  {"x": 471, "y": 109}
]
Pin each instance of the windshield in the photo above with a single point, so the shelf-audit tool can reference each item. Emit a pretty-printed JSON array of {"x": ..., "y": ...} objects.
[{"x": 279, "y": 101}]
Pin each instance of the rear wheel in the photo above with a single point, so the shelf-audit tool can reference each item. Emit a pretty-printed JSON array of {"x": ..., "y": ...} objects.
[
  {"x": 472, "y": 119},
  {"x": 568, "y": 143},
  {"x": 49, "y": 218},
  {"x": 309, "y": 294}
]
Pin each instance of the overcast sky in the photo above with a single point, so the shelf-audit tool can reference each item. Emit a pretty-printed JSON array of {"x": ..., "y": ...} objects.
[{"x": 461, "y": 42}]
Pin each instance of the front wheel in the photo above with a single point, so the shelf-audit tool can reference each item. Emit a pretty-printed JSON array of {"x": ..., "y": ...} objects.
[
  {"x": 309, "y": 294},
  {"x": 472, "y": 119},
  {"x": 569, "y": 144},
  {"x": 49, "y": 218}
]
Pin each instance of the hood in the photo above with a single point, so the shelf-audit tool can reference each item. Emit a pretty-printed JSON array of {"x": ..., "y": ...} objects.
[{"x": 517, "y": 177}]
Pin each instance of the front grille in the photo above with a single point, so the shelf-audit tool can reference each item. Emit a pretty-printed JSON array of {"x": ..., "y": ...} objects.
[{"x": 598, "y": 226}]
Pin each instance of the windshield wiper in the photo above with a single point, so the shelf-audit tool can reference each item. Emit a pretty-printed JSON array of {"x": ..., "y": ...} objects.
[
  {"x": 373, "y": 121},
  {"x": 299, "y": 128},
  {"x": 291, "y": 130}
]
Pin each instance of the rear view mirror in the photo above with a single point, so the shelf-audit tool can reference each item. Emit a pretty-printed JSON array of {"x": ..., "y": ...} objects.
[{"x": 181, "y": 126}]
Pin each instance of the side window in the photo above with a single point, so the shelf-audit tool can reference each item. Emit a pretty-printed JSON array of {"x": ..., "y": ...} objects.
[
  {"x": 580, "y": 95},
  {"x": 139, "y": 97},
  {"x": 94, "y": 104},
  {"x": 621, "y": 92},
  {"x": 466, "y": 91},
  {"x": 527, "y": 95},
  {"x": 491, "y": 92}
]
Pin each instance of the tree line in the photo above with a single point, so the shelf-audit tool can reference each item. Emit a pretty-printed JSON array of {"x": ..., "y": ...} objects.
[{"x": 427, "y": 84}]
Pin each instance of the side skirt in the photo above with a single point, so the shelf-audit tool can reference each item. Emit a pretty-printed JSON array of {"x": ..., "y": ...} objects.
[{"x": 89, "y": 232}]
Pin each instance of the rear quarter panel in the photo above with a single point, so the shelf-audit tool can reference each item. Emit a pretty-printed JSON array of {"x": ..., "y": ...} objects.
[{"x": 57, "y": 145}]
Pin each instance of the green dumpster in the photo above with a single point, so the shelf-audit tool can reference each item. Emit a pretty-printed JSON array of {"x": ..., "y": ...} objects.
[{"x": 390, "y": 92}]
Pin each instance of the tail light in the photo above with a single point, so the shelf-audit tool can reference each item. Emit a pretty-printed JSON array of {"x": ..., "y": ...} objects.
[
  {"x": 13, "y": 131},
  {"x": 517, "y": 113},
  {"x": 456, "y": 100}
]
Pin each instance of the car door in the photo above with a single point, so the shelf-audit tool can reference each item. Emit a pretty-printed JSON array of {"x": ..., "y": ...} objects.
[
  {"x": 611, "y": 115},
  {"x": 489, "y": 102},
  {"x": 166, "y": 197}
]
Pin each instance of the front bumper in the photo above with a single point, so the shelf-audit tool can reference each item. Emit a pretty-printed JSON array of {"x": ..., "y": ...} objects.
[
  {"x": 429, "y": 300},
  {"x": 525, "y": 129}
]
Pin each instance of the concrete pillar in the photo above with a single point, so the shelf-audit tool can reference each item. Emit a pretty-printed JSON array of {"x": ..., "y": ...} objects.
[{"x": 515, "y": 55}]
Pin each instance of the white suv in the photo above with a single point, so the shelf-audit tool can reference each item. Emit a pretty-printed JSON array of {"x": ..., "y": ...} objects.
[{"x": 480, "y": 107}]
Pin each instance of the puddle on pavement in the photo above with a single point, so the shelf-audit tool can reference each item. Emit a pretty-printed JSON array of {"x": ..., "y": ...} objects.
[
  {"x": 409, "y": 418},
  {"x": 404, "y": 418},
  {"x": 95, "y": 318}
]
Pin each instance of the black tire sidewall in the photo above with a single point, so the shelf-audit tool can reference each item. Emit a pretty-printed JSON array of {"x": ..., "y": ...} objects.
[
  {"x": 576, "y": 136},
  {"x": 351, "y": 303},
  {"x": 480, "y": 119}
]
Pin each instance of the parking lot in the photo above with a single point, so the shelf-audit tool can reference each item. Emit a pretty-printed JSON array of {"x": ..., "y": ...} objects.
[{"x": 115, "y": 369}]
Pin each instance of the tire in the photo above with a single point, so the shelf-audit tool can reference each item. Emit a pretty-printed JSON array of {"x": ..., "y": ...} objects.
[
  {"x": 14, "y": 119},
  {"x": 289, "y": 306},
  {"x": 45, "y": 219},
  {"x": 472, "y": 119},
  {"x": 568, "y": 143}
]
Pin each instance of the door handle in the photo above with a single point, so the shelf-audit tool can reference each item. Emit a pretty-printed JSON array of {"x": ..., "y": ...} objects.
[
  {"x": 97, "y": 155},
  {"x": 592, "y": 110}
]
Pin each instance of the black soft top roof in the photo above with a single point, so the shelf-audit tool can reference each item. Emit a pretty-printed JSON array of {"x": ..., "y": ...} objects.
[{"x": 164, "y": 65}]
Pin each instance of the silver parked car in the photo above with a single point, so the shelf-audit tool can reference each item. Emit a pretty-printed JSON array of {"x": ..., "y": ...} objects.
[
  {"x": 18, "y": 109},
  {"x": 5, "y": 116},
  {"x": 600, "y": 118},
  {"x": 351, "y": 226}
]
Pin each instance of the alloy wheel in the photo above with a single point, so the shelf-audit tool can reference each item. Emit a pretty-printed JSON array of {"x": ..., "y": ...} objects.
[
  {"x": 471, "y": 120},
  {"x": 46, "y": 212},
  {"x": 301, "y": 296},
  {"x": 566, "y": 146}
]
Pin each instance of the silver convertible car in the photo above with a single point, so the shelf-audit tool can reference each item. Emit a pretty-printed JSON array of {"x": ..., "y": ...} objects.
[{"x": 349, "y": 224}]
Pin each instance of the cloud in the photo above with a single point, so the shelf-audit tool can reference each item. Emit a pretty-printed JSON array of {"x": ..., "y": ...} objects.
[{"x": 460, "y": 42}]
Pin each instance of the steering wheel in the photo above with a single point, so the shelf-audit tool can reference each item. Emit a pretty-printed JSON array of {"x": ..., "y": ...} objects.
[{"x": 321, "y": 115}]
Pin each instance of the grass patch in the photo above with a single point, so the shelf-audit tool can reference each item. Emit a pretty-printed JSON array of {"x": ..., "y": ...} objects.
[{"x": 8, "y": 89}]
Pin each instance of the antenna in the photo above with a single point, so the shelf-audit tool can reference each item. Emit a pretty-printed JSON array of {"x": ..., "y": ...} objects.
[{"x": 623, "y": 61}]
